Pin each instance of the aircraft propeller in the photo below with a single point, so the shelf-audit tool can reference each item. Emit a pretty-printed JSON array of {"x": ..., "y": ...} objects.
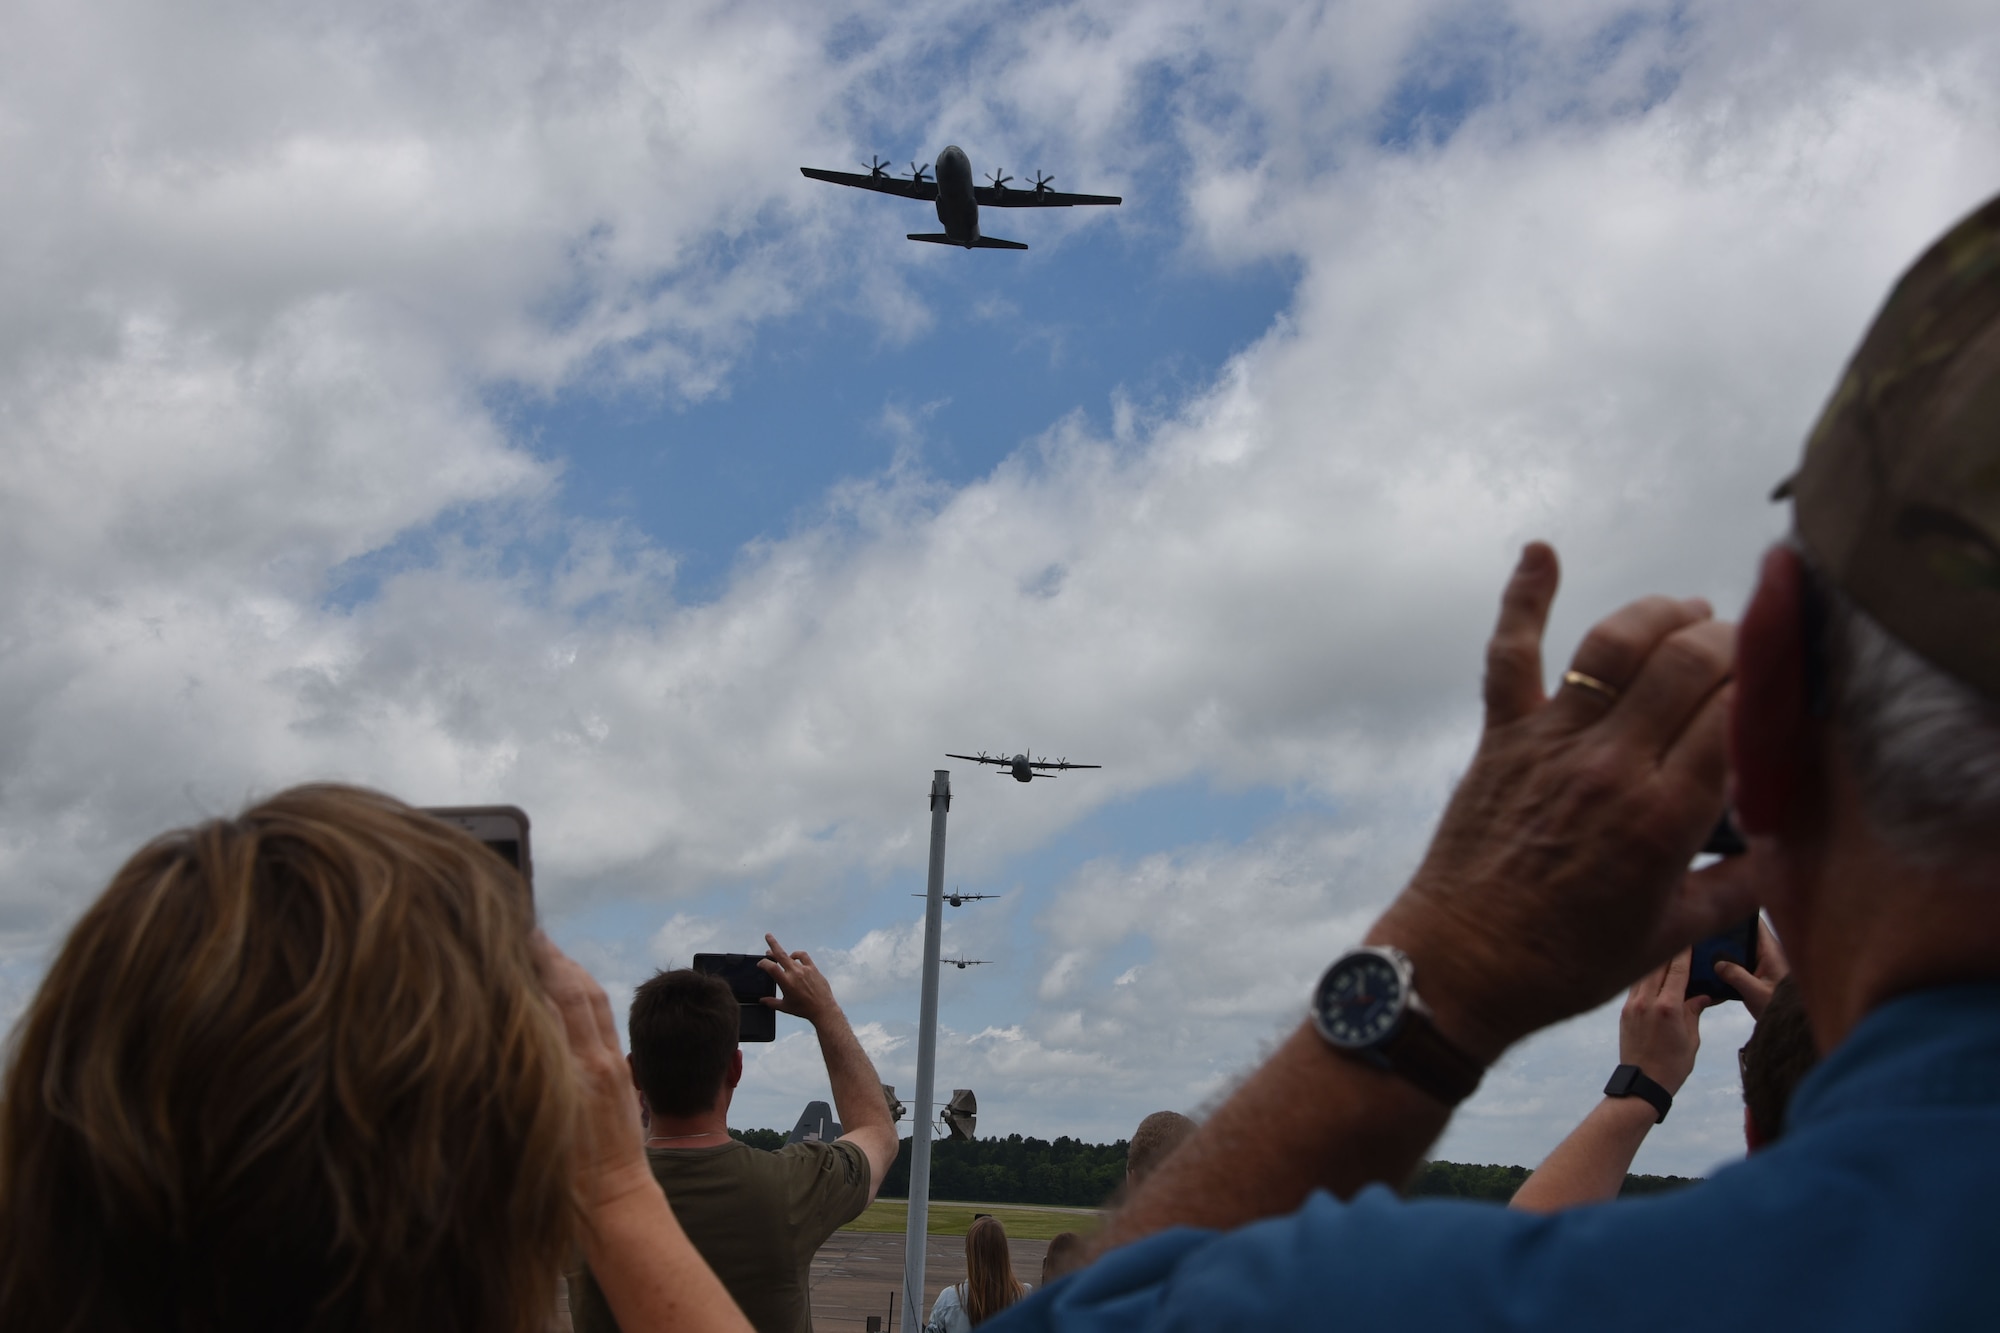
[
  {"x": 879, "y": 168},
  {"x": 999, "y": 181},
  {"x": 1042, "y": 183},
  {"x": 917, "y": 172}
]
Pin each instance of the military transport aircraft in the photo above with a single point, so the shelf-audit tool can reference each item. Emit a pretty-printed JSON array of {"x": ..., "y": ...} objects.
[
  {"x": 957, "y": 198},
  {"x": 962, "y": 963},
  {"x": 957, "y": 899},
  {"x": 1020, "y": 767}
]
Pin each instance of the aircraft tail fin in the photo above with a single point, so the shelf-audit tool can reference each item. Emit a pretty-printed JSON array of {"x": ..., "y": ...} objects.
[
  {"x": 816, "y": 1125},
  {"x": 983, "y": 243}
]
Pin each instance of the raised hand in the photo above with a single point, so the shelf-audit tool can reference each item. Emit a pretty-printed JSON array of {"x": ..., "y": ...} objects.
[
  {"x": 1559, "y": 870},
  {"x": 1756, "y": 987},
  {"x": 1659, "y": 1029},
  {"x": 611, "y": 1157},
  {"x": 803, "y": 989}
]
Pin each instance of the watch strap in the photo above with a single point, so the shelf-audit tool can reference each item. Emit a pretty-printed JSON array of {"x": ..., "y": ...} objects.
[
  {"x": 1423, "y": 1055},
  {"x": 1631, "y": 1081}
]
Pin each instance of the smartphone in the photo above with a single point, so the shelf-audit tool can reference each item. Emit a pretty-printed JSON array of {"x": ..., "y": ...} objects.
[
  {"x": 503, "y": 828},
  {"x": 751, "y": 984},
  {"x": 1738, "y": 944}
]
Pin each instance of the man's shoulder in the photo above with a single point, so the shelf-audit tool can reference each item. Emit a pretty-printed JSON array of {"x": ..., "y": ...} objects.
[
  {"x": 1837, "y": 1229},
  {"x": 816, "y": 1165},
  {"x": 796, "y": 1168}
]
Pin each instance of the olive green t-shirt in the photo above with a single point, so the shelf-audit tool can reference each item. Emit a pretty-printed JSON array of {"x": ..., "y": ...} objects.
[{"x": 758, "y": 1218}]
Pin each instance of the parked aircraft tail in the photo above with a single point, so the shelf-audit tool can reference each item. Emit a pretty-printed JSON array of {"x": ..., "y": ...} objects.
[{"x": 816, "y": 1125}]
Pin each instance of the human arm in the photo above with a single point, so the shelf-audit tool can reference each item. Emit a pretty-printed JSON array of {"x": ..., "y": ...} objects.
[
  {"x": 1557, "y": 875},
  {"x": 1772, "y": 968},
  {"x": 1659, "y": 1030},
  {"x": 857, "y": 1091},
  {"x": 647, "y": 1268}
]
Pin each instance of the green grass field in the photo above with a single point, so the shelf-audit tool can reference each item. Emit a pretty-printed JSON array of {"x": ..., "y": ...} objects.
[{"x": 955, "y": 1219}]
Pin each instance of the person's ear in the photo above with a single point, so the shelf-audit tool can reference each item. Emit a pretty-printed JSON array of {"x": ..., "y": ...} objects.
[
  {"x": 735, "y": 1068},
  {"x": 633, "y": 1070},
  {"x": 1769, "y": 729},
  {"x": 1752, "y": 1140}
]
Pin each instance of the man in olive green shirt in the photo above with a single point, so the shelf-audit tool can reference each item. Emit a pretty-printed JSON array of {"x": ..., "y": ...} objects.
[{"x": 757, "y": 1217}]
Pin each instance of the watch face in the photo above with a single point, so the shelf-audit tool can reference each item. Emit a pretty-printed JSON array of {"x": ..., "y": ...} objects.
[{"x": 1360, "y": 1001}]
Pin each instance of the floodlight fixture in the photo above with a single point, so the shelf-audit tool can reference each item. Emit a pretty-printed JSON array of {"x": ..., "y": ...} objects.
[{"x": 961, "y": 1113}]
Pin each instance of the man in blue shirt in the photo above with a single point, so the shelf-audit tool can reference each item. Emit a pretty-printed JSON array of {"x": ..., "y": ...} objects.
[{"x": 1855, "y": 714}]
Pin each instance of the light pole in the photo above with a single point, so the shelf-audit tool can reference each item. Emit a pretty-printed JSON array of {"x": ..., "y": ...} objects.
[{"x": 917, "y": 1230}]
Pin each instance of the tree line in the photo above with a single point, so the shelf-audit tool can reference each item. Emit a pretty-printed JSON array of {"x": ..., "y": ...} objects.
[{"x": 1066, "y": 1172}]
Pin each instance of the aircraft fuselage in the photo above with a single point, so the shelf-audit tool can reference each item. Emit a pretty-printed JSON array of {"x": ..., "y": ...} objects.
[
  {"x": 957, "y": 210},
  {"x": 1019, "y": 767}
]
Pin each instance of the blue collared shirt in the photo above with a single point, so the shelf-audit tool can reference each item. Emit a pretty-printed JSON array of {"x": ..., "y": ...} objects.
[{"x": 1878, "y": 1209}]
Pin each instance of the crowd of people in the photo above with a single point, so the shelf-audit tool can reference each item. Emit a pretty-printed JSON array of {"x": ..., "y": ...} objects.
[{"x": 314, "y": 1067}]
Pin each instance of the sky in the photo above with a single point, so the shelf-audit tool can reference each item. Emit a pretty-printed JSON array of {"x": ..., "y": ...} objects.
[{"x": 473, "y": 400}]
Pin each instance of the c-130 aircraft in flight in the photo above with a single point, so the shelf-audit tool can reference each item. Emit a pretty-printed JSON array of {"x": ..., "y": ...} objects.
[
  {"x": 1021, "y": 768},
  {"x": 958, "y": 199}
]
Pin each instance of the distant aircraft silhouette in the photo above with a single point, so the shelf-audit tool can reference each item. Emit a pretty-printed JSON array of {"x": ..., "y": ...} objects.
[
  {"x": 1020, "y": 767},
  {"x": 957, "y": 899},
  {"x": 957, "y": 198},
  {"x": 962, "y": 963}
]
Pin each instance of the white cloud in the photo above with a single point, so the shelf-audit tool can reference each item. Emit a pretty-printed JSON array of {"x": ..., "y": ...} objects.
[
  {"x": 683, "y": 936},
  {"x": 259, "y": 521}
]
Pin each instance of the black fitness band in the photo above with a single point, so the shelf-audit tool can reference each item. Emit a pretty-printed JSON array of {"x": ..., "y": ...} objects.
[{"x": 1629, "y": 1081}]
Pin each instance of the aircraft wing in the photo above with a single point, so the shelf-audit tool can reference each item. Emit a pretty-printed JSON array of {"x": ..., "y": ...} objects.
[
  {"x": 979, "y": 758},
  {"x": 1043, "y": 763},
  {"x": 991, "y": 197},
  {"x": 861, "y": 180}
]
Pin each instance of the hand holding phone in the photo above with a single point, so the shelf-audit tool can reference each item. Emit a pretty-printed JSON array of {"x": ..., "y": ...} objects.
[
  {"x": 1737, "y": 945},
  {"x": 750, "y": 984},
  {"x": 1756, "y": 984}
]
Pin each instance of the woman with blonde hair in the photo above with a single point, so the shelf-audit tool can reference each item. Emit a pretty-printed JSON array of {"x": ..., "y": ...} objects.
[
  {"x": 314, "y": 1068},
  {"x": 989, "y": 1286}
]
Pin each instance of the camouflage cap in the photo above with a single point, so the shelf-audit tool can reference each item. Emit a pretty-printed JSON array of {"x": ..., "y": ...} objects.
[{"x": 1898, "y": 498}]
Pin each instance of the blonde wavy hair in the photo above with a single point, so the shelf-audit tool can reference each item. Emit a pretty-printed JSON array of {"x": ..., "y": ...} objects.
[{"x": 292, "y": 1070}]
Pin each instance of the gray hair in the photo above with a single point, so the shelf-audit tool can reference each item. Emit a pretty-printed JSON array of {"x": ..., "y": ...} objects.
[{"x": 1924, "y": 746}]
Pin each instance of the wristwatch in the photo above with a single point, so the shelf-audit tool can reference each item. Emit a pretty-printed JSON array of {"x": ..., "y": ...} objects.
[
  {"x": 1628, "y": 1081},
  {"x": 1366, "y": 1007}
]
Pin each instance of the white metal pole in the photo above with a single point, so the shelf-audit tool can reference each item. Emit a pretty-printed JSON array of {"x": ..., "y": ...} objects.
[{"x": 918, "y": 1228}]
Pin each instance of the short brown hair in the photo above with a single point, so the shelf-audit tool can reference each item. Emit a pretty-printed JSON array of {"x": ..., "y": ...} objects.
[
  {"x": 683, "y": 1028},
  {"x": 1778, "y": 1056},
  {"x": 1154, "y": 1141},
  {"x": 1065, "y": 1256},
  {"x": 294, "y": 1070}
]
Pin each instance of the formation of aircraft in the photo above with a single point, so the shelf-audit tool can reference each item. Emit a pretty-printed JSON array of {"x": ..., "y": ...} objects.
[
  {"x": 1020, "y": 767},
  {"x": 957, "y": 899},
  {"x": 958, "y": 200}
]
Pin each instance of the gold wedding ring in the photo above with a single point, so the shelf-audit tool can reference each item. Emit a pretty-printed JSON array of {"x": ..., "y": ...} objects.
[{"x": 1592, "y": 683}]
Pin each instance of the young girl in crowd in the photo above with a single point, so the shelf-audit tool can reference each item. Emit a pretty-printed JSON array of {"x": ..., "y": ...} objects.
[{"x": 989, "y": 1285}]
